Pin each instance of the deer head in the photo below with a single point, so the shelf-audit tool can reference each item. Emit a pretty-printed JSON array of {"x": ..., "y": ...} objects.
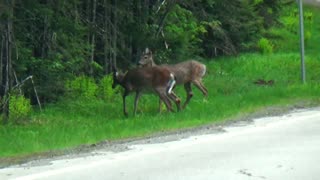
[
  {"x": 117, "y": 77},
  {"x": 146, "y": 59}
]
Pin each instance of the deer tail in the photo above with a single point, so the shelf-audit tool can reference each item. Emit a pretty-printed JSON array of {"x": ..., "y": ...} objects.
[
  {"x": 171, "y": 83},
  {"x": 204, "y": 69}
]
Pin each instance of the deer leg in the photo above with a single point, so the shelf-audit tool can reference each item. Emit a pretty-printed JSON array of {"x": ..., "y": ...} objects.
[
  {"x": 201, "y": 87},
  {"x": 187, "y": 87},
  {"x": 136, "y": 100},
  {"x": 176, "y": 99},
  {"x": 126, "y": 92},
  {"x": 171, "y": 94},
  {"x": 163, "y": 96},
  {"x": 167, "y": 102}
]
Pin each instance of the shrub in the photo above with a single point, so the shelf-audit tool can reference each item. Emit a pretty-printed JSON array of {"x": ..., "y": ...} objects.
[
  {"x": 265, "y": 46},
  {"x": 83, "y": 86},
  {"x": 105, "y": 90},
  {"x": 19, "y": 108}
]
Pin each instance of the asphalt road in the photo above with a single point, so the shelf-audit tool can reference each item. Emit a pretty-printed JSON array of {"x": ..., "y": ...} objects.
[{"x": 283, "y": 147}]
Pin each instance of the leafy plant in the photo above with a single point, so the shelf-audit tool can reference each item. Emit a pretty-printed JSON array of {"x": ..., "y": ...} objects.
[
  {"x": 105, "y": 90},
  {"x": 83, "y": 87},
  {"x": 265, "y": 46},
  {"x": 19, "y": 108},
  {"x": 182, "y": 32}
]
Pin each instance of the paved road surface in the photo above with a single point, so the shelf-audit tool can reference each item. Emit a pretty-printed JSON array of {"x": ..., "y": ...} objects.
[{"x": 284, "y": 147}]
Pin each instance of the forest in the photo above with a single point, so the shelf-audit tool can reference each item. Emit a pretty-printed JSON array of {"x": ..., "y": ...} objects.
[{"x": 49, "y": 47}]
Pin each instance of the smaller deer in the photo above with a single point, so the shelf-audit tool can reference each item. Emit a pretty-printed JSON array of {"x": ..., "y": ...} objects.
[
  {"x": 185, "y": 72},
  {"x": 147, "y": 79}
]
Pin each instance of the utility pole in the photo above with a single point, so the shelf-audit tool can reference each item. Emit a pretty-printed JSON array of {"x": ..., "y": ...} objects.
[{"x": 303, "y": 71}]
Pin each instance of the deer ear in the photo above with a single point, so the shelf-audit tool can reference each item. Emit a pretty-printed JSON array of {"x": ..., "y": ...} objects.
[{"x": 146, "y": 51}]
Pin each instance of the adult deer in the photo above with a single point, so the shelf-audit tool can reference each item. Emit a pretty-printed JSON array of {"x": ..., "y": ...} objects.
[
  {"x": 147, "y": 79},
  {"x": 187, "y": 73}
]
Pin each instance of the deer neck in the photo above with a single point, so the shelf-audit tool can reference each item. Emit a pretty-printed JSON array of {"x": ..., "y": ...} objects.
[{"x": 152, "y": 63}]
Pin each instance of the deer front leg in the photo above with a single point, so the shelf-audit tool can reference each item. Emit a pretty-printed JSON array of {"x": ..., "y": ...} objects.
[
  {"x": 187, "y": 87},
  {"x": 200, "y": 86},
  {"x": 136, "y": 100},
  {"x": 124, "y": 103}
]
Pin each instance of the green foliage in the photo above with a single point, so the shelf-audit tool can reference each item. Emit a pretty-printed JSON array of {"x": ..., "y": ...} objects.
[
  {"x": 105, "y": 90},
  {"x": 229, "y": 30},
  {"x": 182, "y": 33},
  {"x": 19, "y": 108},
  {"x": 267, "y": 9},
  {"x": 265, "y": 46},
  {"x": 55, "y": 40},
  {"x": 291, "y": 23},
  {"x": 286, "y": 35},
  {"x": 82, "y": 87}
]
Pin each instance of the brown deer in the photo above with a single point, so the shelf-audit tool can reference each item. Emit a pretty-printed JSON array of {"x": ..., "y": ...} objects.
[
  {"x": 147, "y": 79},
  {"x": 185, "y": 72}
]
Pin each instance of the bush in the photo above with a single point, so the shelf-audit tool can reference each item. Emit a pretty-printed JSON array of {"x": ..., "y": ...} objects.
[
  {"x": 265, "y": 46},
  {"x": 105, "y": 90},
  {"x": 19, "y": 108},
  {"x": 83, "y": 86}
]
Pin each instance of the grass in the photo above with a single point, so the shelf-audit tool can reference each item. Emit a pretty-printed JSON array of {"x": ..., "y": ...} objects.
[{"x": 232, "y": 93}]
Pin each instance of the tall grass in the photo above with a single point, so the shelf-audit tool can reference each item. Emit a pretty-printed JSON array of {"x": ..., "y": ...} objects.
[{"x": 231, "y": 93}]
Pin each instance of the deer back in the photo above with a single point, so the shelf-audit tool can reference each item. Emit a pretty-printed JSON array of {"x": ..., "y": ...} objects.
[
  {"x": 186, "y": 71},
  {"x": 146, "y": 78}
]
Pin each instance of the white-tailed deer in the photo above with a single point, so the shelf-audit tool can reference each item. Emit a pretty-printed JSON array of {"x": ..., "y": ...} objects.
[
  {"x": 185, "y": 72},
  {"x": 147, "y": 79}
]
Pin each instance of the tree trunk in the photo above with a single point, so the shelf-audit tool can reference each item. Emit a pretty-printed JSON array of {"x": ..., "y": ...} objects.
[
  {"x": 106, "y": 50},
  {"x": 92, "y": 41},
  {"x": 7, "y": 61},
  {"x": 114, "y": 33}
]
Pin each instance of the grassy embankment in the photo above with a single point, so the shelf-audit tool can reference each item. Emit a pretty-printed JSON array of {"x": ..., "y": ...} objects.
[{"x": 232, "y": 94}]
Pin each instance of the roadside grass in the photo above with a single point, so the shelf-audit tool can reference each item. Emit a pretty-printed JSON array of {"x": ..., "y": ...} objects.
[{"x": 232, "y": 94}]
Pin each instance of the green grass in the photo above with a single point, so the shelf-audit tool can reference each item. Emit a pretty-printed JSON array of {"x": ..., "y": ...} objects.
[{"x": 232, "y": 94}]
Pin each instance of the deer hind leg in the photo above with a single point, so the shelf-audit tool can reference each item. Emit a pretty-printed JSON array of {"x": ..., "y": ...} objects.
[
  {"x": 163, "y": 97},
  {"x": 172, "y": 95},
  {"x": 136, "y": 101},
  {"x": 201, "y": 87},
  {"x": 187, "y": 87},
  {"x": 176, "y": 99}
]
